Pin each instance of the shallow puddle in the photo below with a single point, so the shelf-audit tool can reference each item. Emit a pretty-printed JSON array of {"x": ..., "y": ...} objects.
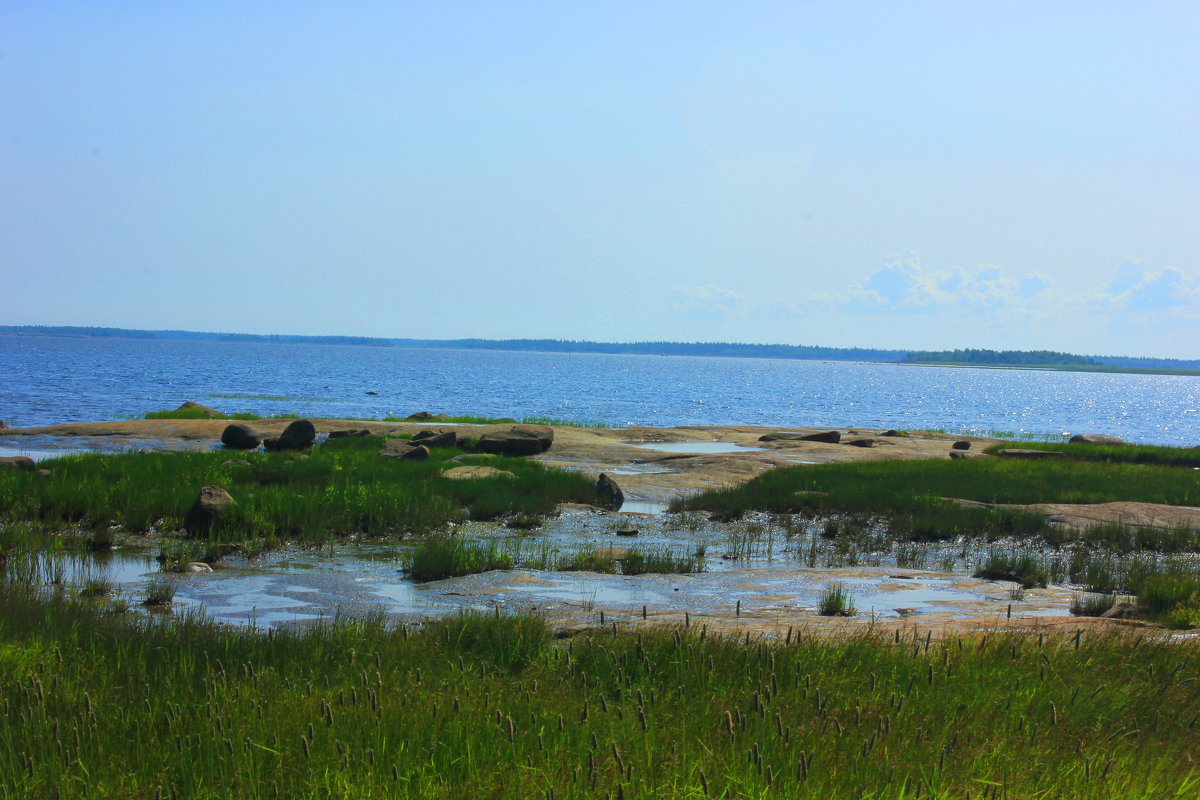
[{"x": 696, "y": 448}]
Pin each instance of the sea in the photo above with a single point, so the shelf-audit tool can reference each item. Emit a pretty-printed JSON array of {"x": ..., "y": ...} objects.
[{"x": 49, "y": 380}]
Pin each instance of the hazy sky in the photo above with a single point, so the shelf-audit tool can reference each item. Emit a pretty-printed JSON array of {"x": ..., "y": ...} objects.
[{"x": 917, "y": 174}]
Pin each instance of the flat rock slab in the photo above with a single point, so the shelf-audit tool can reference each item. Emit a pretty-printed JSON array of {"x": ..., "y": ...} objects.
[
  {"x": 1086, "y": 515},
  {"x": 471, "y": 473}
]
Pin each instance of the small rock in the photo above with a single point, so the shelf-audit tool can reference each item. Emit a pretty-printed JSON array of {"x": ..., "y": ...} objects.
[
  {"x": 608, "y": 493},
  {"x": 861, "y": 442},
  {"x": 195, "y": 567},
  {"x": 1019, "y": 453},
  {"x": 240, "y": 437},
  {"x": 959, "y": 454},
  {"x": 891, "y": 432},
  {"x": 235, "y": 462},
  {"x": 210, "y": 504},
  {"x": 373, "y": 393},
  {"x": 299, "y": 435},
  {"x": 45, "y": 473},
  {"x": 961, "y": 445},
  {"x": 1118, "y": 611},
  {"x": 420, "y": 415},
  {"x": 1095, "y": 438},
  {"x": 17, "y": 462},
  {"x": 626, "y": 531},
  {"x": 3, "y": 424}
]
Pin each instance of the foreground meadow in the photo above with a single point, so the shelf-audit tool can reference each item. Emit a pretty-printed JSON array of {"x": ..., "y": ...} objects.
[{"x": 109, "y": 706}]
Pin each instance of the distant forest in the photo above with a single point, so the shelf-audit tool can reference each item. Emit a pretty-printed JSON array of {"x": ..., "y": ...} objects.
[
  {"x": 1005, "y": 358},
  {"x": 1023, "y": 358}
]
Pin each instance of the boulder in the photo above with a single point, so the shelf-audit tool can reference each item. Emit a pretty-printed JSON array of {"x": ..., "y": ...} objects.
[
  {"x": 959, "y": 454},
  {"x": 608, "y": 494},
  {"x": 831, "y": 437},
  {"x": 893, "y": 432},
  {"x": 417, "y": 452},
  {"x": 235, "y": 462},
  {"x": 192, "y": 405},
  {"x": 420, "y": 416},
  {"x": 862, "y": 442},
  {"x": 240, "y": 437},
  {"x": 300, "y": 435},
  {"x": 210, "y": 504},
  {"x": 626, "y": 531},
  {"x": 18, "y": 462},
  {"x": 433, "y": 439},
  {"x": 470, "y": 473},
  {"x": 519, "y": 440},
  {"x": 1095, "y": 438},
  {"x": 3, "y": 424},
  {"x": 961, "y": 445},
  {"x": 1018, "y": 453},
  {"x": 349, "y": 433}
]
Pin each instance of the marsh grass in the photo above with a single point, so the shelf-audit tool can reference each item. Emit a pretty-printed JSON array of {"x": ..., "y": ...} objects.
[
  {"x": 836, "y": 601},
  {"x": 159, "y": 594},
  {"x": 1092, "y": 605},
  {"x": 452, "y": 556},
  {"x": 334, "y": 491},
  {"x": 486, "y": 706},
  {"x": 1027, "y": 570},
  {"x": 1120, "y": 453},
  {"x": 911, "y": 497}
]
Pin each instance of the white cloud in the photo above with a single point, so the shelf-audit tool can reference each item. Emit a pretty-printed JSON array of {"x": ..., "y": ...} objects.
[
  {"x": 709, "y": 302},
  {"x": 1138, "y": 289}
]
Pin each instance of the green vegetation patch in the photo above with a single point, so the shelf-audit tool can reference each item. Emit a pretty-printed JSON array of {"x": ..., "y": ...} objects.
[
  {"x": 1118, "y": 453},
  {"x": 909, "y": 496},
  {"x": 331, "y": 491},
  {"x": 487, "y": 706}
]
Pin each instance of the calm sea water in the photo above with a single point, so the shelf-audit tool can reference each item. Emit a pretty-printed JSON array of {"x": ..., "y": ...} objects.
[{"x": 50, "y": 380}]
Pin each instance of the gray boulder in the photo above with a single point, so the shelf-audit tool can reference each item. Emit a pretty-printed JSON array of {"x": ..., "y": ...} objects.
[
  {"x": 959, "y": 454},
  {"x": 961, "y": 445},
  {"x": 415, "y": 453},
  {"x": 300, "y": 435},
  {"x": 831, "y": 437},
  {"x": 240, "y": 437},
  {"x": 349, "y": 433},
  {"x": 209, "y": 506},
  {"x": 862, "y": 442},
  {"x": 17, "y": 462},
  {"x": 1095, "y": 438},
  {"x": 432, "y": 439},
  {"x": 519, "y": 440},
  {"x": 608, "y": 494}
]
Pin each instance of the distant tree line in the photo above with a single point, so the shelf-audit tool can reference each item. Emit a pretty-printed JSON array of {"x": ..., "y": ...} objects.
[
  {"x": 1018, "y": 358},
  {"x": 1023, "y": 358}
]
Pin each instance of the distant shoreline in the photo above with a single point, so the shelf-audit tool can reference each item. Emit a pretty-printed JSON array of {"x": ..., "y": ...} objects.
[{"x": 1006, "y": 359}]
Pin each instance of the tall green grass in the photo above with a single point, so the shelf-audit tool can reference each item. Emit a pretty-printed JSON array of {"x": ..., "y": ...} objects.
[
  {"x": 910, "y": 496},
  {"x": 478, "y": 706},
  {"x": 337, "y": 490},
  {"x": 1119, "y": 453}
]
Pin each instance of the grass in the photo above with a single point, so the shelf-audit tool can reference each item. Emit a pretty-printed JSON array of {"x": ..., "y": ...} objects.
[
  {"x": 836, "y": 601},
  {"x": 159, "y": 594},
  {"x": 337, "y": 490},
  {"x": 451, "y": 556},
  {"x": 486, "y": 706},
  {"x": 1092, "y": 605},
  {"x": 1026, "y": 570},
  {"x": 1119, "y": 453},
  {"x": 910, "y": 496}
]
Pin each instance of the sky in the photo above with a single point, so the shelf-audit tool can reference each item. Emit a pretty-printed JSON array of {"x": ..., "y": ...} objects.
[{"x": 918, "y": 175}]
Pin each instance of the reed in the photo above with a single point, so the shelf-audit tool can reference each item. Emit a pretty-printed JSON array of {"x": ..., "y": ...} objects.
[{"x": 99, "y": 705}]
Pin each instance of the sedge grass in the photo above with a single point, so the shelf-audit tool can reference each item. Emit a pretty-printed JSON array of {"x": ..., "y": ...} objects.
[
  {"x": 338, "y": 490},
  {"x": 480, "y": 705}
]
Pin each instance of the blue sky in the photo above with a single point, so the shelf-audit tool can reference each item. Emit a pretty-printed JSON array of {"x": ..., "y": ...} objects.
[{"x": 923, "y": 175}]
